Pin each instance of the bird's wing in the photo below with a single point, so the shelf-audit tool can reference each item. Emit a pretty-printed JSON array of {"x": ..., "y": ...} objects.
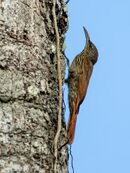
[
  {"x": 78, "y": 83},
  {"x": 83, "y": 81}
]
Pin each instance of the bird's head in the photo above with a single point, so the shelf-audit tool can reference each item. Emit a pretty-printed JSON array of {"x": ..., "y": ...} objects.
[{"x": 90, "y": 49}]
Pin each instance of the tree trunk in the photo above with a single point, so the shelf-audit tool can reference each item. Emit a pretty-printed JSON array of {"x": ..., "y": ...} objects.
[{"x": 29, "y": 88}]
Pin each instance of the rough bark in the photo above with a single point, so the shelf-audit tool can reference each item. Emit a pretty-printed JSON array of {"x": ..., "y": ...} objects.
[{"x": 29, "y": 86}]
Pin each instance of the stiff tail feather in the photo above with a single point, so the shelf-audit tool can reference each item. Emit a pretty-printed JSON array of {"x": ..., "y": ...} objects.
[{"x": 71, "y": 127}]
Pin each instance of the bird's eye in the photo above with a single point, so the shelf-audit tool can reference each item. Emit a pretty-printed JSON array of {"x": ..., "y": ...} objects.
[{"x": 90, "y": 45}]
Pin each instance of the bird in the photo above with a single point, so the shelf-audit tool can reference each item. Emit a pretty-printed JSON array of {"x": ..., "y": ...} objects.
[{"x": 78, "y": 80}]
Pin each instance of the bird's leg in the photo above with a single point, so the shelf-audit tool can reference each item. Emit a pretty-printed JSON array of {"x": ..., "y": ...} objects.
[
  {"x": 67, "y": 60},
  {"x": 68, "y": 63}
]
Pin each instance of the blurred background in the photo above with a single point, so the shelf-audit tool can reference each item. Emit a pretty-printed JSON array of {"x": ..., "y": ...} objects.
[{"x": 102, "y": 139}]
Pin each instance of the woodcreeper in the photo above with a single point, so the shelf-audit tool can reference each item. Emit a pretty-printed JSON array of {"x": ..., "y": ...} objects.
[{"x": 78, "y": 79}]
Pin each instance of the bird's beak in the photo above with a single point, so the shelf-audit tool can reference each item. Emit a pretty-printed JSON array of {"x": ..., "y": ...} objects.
[{"x": 86, "y": 35}]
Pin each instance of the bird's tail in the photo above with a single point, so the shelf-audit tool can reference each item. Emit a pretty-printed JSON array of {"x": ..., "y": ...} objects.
[{"x": 71, "y": 127}]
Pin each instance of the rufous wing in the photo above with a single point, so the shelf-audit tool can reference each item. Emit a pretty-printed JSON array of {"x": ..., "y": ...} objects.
[{"x": 83, "y": 81}]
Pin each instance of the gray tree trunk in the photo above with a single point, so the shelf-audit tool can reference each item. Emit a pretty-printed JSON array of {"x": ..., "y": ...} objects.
[{"x": 29, "y": 86}]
